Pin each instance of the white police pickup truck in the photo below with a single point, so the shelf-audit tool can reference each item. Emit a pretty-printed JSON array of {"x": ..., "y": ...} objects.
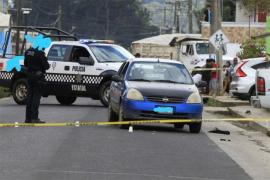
[
  {"x": 263, "y": 87},
  {"x": 77, "y": 69}
]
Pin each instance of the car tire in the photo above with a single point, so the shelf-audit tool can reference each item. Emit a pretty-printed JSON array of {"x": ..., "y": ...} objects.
[
  {"x": 121, "y": 119},
  {"x": 252, "y": 93},
  {"x": 104, "y": 93},
  {"x": 195, "y": 127},
  {"x": 179, "y": 125},
  {"x": 112, "y": 116},
  {"x": 66, "y": 100},
  {"x": 20, "y": 91}
]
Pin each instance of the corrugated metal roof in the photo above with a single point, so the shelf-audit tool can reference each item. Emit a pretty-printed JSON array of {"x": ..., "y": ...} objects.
[{"x": 164, "y": 39}]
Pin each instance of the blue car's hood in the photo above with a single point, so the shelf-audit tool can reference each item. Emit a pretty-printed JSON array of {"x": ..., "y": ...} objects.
[{"x": 162, "y": 89}]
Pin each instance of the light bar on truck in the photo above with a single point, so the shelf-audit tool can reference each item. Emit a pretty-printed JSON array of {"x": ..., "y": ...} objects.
[{"x": 90, "y": 41}]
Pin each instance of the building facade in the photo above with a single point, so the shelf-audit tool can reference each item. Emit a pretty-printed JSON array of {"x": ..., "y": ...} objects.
[{"x": 247, "y": 23}]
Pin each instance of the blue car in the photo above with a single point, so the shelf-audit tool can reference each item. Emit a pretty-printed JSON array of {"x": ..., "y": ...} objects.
[{"x": 148, "y": 89}]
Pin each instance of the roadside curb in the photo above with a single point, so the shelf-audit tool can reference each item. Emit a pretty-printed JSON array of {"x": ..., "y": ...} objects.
[
  {"x": 253, "y": 125},
  {"x": 4, "y": 98},
  {"x": 222, "y": 102}
]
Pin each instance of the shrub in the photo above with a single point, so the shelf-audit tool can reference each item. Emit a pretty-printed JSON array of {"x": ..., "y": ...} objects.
[{"x": 252, "y": 49}]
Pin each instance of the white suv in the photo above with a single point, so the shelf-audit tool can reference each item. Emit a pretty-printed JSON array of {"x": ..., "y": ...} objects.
[{"x": 243, "y": 79}]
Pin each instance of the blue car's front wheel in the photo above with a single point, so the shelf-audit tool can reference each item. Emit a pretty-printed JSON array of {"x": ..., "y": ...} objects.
[
  {"x": 113, "y": 117},
  {"x": 121, "y": 118},
  {"x": 195, "y": 127},
  {"x": 179, "y": 125}
]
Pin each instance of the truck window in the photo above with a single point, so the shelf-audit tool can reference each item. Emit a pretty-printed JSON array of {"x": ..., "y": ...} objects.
[
  {"x": 202, "y": 48},
  {"x": 190, "y": 50},
  {"x": 110, "y": 53},
  {"x": 78, "y": 52},
  {"x": 57, "y": 53}
]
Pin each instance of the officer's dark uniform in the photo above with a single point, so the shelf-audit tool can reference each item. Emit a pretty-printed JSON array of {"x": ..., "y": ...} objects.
[{"x": 36, "y": 63}]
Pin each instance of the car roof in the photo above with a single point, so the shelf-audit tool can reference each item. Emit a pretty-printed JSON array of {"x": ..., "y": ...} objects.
[
  {"x": 253, "y": 61},
  {"x": 154, "y": 60}
]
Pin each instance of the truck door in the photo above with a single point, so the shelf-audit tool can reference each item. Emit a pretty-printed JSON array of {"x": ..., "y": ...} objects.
[
  {"x": 59, "y": 76},
  {"x": 83, "y": 67},
  {"x": 187, "y": 53}
]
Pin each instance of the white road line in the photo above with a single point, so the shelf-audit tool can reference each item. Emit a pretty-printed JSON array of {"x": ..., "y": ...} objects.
[{"x": 125, "y": 174}]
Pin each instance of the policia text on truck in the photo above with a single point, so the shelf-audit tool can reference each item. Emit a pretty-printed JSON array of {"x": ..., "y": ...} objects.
[{"x": 77, "y": 68}]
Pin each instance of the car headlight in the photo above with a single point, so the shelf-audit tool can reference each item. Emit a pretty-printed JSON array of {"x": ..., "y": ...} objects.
[
  {"x": 194, "y": 98},
  {"x": 134, "y": 94}
]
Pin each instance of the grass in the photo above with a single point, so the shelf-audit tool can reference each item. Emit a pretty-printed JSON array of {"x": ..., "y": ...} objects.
[
  {"x": 214, "y": 103},
  {"x": 4, "y": 92}
]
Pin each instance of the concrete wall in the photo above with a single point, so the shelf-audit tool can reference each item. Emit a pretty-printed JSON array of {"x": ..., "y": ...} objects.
[
  {"x": 157, "y": 51},
  {"x": 236, "y": 32}
]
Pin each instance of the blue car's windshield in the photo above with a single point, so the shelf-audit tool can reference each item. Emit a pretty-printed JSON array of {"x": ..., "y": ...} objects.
[
  {"x": 105, "y": 53},
  {"x": 159, "y": 72}
]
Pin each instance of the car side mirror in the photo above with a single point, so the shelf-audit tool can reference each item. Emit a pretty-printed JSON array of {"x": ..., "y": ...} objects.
[
  {"x": 87, "y": 61},
  {"x": 117, "y": 78}
]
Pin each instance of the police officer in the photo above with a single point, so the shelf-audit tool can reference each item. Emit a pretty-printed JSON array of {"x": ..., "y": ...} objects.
[{"x": 36, "y": 65}]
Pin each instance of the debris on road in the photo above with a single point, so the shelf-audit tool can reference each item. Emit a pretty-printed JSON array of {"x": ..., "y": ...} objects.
[
  {"x": 218, "y": 131},
  {"x": 130, "y": 129}
]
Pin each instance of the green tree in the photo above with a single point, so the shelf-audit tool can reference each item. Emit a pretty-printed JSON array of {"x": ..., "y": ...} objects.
[
  {"x": 121, "y": 20},
  {"x": 251, "y": 4}
]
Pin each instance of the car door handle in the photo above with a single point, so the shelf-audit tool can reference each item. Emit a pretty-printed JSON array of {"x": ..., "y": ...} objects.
[{"x": 67, "y": 68}]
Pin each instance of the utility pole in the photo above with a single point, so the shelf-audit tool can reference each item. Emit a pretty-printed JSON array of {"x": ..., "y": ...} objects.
[
  {"x": 190, "y": 18},
  {"x": 216, "y": 25},
  {"x": 165, "y": 16},
  {"x": 107, "y": 31},
  {"x": 18, "y": 23},
  {"x": 171, "y": 11},
  {"x": 216, "y": 16},
  {"x": 60, "y": 16},
  {"x": 176, "y": 16}
]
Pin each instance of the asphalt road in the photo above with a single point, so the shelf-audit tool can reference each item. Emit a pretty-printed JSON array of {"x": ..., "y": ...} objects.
[{"x": 105, "y": 153}]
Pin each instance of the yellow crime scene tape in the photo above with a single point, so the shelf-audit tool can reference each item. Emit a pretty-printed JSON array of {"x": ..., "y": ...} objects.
[
  {"x": 208, "y": 69},
  {"x": 135, "y": 122}
]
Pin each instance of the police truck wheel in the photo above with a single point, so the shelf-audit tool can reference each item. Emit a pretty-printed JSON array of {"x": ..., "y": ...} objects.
[
  {"x": 20, "y": 91},
  {"x": 104, "y": 93},
  {"x": 113, "y": 117},
  {"x": 66, "y": 100},
  {"x": 195, "y": 128}
]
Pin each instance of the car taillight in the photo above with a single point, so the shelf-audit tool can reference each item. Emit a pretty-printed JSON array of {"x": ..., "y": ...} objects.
[
  {"x": 260, "y": 85},
  {"x": 239, "y": 72},
  {"x": 1, "y": 66}
]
